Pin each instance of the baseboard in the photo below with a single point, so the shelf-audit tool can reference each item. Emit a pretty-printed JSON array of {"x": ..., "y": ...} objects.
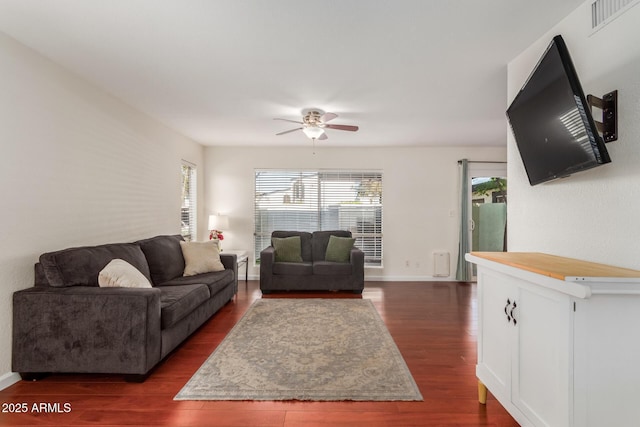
[
  {"x": 369, "y": 278},
  {"x": 9, "y": 379},
  {"x": 408, "y": 279}
]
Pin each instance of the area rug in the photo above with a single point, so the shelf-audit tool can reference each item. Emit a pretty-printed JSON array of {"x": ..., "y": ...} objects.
[{"x": 305, "y": 349}]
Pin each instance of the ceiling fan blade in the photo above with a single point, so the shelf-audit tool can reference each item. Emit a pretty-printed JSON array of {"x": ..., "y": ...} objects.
[
  {"x": 323, "y": 136},
  {"x": 342, "y": 127},
  {"x": 328, "y": 116},
  {"x": 288, "y": 131},
  {"x": 287, "y": 120}
]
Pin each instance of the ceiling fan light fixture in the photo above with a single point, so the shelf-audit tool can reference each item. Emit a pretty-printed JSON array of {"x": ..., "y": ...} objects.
[
  {"x": 313, "y": 132},
  {"x": 314, "y": 124}
]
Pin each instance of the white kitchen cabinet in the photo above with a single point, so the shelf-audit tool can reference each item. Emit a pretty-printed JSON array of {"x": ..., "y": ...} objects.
[{"x": 559, "y": 339}]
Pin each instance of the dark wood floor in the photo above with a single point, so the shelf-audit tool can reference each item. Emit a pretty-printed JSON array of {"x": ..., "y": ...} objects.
[{"x": 433, "y": 324}]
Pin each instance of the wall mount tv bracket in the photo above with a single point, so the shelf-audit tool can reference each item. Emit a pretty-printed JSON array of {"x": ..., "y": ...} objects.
[{"x": 609, "y": 106}]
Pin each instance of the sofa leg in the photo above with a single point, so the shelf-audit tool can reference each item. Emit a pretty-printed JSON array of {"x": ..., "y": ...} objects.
[
  {"x": 357, "y": 291},
  {"x": 265, "y": 292},
  {"x": 136, "y": 378},
  {"x": 33, "y": 376}
]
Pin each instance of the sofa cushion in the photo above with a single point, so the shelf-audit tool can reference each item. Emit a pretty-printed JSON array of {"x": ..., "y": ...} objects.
[
  {"x": 287, "y": 249},
  {"x": 329, "y": 268},
  {"x": 339, "y": 249},
  {"x": 293, "y": 268},
  {"x": 201, "y": 257},
  {"x": 120, "y": 274},
  {"x": 321, "y": 240},
  {"x": 80, "y": 266},
  {"x": 305, "y": 242},
  {"x": 176, "y": 302},
  {"x": 216, "y": 281},
  {"x": 164, "y": 256}
]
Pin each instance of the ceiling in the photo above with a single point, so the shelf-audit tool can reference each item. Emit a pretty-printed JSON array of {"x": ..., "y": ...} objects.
[{"x": 408, "y": 72}]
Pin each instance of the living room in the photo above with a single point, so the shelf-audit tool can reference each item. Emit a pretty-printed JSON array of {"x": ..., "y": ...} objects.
[{"x": 81, "y": 167}]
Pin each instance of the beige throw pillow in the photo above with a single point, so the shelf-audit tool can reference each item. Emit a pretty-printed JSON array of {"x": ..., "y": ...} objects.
[
  {"x": 201, "y": 257},
  {"x": 120, "y": 274}
]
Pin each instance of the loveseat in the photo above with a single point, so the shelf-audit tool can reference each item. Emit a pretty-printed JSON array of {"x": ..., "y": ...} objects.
[
  {"x": 69, "y": 322},
  {"x": 318, "y": 261}
]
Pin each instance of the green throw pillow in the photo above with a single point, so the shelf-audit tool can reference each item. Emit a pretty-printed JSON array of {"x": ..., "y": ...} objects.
[
  {"x": 339, "y": 249},
  {"x": 288, "y": 249}
]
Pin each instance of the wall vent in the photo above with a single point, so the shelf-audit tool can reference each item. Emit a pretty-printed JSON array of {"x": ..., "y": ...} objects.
[
  {"x": 605, "y": 11},
  {"x": 441, "y": 264}
]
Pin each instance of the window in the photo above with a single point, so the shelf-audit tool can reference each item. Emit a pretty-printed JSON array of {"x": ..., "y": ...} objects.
[
  {"x": 310, "y": 200},
  {"x": 188, "y": 210}
]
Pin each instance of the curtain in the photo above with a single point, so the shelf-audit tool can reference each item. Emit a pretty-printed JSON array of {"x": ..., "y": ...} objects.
[{"x": 463, "y": 270}]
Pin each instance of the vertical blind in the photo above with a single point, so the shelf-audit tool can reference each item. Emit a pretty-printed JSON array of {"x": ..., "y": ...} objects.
[
  {"x": 188, "y": 211},
  {"x": 310, "y": 200}
]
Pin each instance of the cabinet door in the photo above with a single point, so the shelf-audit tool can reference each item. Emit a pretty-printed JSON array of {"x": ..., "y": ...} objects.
[
  {"x": 542, "y": 356},
  {"x": 495, "y": 295}
]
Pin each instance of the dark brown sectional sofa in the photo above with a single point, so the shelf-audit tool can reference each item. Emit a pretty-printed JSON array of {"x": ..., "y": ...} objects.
[{"x": 67, "y": 323}]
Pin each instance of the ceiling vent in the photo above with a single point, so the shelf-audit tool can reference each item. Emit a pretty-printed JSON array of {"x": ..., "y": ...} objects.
[{"x": 605, "y": 11}]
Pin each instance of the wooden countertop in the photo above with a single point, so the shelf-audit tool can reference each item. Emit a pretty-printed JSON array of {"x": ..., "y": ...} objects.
[{"x": 555, "y": 266}]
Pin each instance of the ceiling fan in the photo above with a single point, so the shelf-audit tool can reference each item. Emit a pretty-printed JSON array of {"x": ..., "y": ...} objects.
[{"x": 314, "y": 122}]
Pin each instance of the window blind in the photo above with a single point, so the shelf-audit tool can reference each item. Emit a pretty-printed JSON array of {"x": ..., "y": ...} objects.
[
  {"x": 310, "y": 200},
  {"x": 188, "y": 218}
]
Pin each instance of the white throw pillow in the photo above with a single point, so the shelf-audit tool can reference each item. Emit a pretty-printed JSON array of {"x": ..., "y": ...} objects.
[
  {"x": 201, "y": 257},
  {"x": 120, "y": 274}
]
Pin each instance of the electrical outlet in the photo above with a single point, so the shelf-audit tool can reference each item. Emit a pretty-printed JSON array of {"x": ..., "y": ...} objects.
[{"x": 406, "y": 263}]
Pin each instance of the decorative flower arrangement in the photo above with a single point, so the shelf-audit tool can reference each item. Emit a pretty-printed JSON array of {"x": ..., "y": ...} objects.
[{"x": 216, "y": 234}]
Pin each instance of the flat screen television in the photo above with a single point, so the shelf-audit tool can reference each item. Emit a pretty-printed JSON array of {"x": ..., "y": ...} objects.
[{"x": 551, "y": 120}]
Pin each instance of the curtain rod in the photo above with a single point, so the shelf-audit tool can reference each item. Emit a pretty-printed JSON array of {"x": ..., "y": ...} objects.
[{"x": 479, "y": 161}]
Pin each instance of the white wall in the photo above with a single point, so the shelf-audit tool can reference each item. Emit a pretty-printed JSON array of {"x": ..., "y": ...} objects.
[
  {"x": 420, "y": 196},
  {"x": 593, "y": 215},
  {"x": 77, "y": 167}
]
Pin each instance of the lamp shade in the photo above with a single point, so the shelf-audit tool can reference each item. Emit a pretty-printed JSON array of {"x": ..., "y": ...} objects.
[
  {"x": 313, "y": 132},
  {"x": 218, "y": 222}
]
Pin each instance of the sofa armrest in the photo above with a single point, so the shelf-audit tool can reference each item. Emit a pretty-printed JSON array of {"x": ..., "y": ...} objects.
[
  {"x": 267, "y": 259},
  {"x": 230, "y": 262},
  {"x": 86, "y": 329},
  {"x": 357, "y": 261}
]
